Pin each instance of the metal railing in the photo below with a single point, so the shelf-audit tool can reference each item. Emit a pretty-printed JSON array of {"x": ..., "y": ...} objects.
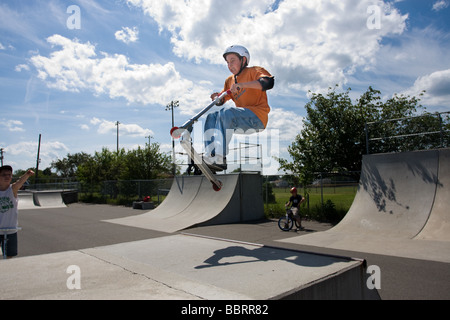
[{"x": 431, "y": 131}]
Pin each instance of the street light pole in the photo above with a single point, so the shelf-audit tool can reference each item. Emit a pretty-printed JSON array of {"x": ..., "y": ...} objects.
[
  {"x": 172, "y": 105},
  {"x": 38, "y": 160}
]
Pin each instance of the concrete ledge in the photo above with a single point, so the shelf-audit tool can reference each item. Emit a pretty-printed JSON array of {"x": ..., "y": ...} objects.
[{"x": 183, "y": 267}]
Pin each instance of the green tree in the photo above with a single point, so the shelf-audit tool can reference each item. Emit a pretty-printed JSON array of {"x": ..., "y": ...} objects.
[
  {"x": 333, "y": 136},
  {"x": 102, "y": 166},
  {"x": 68, "y": 166},
  {"x": 146, "y": 164},
  {"x": 45, "y": 176},
  {"x": 139, "y": 164}
]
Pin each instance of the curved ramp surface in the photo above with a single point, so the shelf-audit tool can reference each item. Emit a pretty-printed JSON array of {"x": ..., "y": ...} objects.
[
  {"x": 49, "y": 199},
  {"x": 395, "y": 195},
  {"x": 438, "y": 226},
  {"x": 192, "y": 201},
  {"x": 26, "y": 200},
  {"x": 182, "y": 192},
  {"x": 401, "y": 199}
]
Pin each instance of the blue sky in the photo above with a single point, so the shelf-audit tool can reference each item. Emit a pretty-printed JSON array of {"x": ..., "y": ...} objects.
[{"x": 70, "y": 69}]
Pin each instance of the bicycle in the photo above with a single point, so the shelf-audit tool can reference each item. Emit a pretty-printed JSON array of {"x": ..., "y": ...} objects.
[{"x": 286, "y": 223}]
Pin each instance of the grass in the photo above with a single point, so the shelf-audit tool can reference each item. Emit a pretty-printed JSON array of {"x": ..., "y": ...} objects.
[{"x": 336, "y": 203}]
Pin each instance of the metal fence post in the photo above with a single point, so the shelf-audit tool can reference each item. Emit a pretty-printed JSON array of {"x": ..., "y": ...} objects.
[{"x": 366, "y": 129}]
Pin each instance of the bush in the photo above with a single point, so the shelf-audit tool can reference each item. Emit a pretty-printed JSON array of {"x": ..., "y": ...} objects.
[
  {"x": 329, "y": 210},
  {"x": 274, "y": 211},
  {"x": 268, "y": 193}
]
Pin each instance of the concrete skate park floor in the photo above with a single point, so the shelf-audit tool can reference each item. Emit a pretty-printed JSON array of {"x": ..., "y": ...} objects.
[{"x": 80, "y": 227}]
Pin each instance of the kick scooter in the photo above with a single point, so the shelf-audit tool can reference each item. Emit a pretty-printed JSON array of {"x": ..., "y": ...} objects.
[{"x": 183, "y": 132}]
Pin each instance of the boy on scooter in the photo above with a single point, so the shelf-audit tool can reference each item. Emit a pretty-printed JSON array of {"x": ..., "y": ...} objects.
[{"x": 248, "y": 86}]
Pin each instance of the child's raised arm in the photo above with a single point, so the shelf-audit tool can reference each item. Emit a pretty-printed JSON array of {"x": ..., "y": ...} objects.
[{"x": 19, "y": 183}]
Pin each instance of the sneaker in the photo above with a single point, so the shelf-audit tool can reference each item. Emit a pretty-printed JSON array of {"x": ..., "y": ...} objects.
[
  {"x": 217, "y": 167},
  {"x": 215, "y": 164}
]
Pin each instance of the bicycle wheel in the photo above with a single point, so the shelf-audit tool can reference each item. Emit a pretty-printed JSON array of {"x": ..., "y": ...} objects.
[{"x": 285, "y": 224}]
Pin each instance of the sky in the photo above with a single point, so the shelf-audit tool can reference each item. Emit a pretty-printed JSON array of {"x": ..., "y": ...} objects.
[{"x": 70, "y": 70}]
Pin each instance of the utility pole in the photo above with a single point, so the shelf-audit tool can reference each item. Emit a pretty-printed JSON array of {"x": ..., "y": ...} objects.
[
  {"x": 172, "y": 105},
  {"x": 117, "y": 124},
  {"x": 38, "y": 160},
  {"x": 1, "y": 155},
  {"x": 149, "y": 137}
]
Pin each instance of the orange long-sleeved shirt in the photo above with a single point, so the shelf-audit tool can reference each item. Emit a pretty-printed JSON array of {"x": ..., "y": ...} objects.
[{"x": 253, "y": 99}]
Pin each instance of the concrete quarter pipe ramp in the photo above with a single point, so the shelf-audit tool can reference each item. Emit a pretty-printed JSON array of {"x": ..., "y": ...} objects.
[
  {"x": 49, "y": 199},
  {"x": 26, "y": 200},
  {"x": 402, "y": 200},
  {"x": 40, "y": 199},
  {"x": 438, "y": 226},
  {"x": 192, "y": 201}
]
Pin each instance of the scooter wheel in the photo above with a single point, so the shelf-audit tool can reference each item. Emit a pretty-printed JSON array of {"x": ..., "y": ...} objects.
[
  {"x": 216, "y": 187},
  {"x": 175, "y": 132}
]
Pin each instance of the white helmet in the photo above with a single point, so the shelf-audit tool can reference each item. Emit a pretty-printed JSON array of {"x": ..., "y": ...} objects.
[{"x": 239, "y": 50}]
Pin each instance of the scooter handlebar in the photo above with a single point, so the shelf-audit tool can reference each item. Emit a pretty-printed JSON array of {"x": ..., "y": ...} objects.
[
  {"x": 221, "y": 96},
  {"x": 176, "y": 132}
]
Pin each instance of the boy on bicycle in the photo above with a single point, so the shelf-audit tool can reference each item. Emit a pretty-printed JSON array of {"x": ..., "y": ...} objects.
[{"x": 294, "y": 202}]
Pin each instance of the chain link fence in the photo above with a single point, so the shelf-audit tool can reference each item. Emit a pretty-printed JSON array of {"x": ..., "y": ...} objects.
[
  {"x": 328, "y": 197},
  {"x": 124, "y": 192}
]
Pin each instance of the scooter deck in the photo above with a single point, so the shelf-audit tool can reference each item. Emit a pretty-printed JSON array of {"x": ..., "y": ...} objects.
[{"x": 198, "y": 161}]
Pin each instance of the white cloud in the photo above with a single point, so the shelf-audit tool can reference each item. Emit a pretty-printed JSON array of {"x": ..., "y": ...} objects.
[
  {"x": 127, "y": 35},
  {"x": 313, "y": 44},
  {"x": 440, "y": 5},
  {"x": 21, "y": 67},
  {"x": 105, "y": 127},
  {"x": 95, "y": 121},
  {"x": 77, "y": 66},
  {"x": 437, "y": 87},
  {"x": 13, "y": 125},
  {"x": 50, "y": 150},
  {"x": 135, "y": 130},
  {"x": 418, "y": 53},
  {"x": 288, "y": 123}
]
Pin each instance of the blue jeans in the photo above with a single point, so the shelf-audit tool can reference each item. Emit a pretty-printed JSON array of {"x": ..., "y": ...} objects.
[{"x": 221, "y": 125}]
